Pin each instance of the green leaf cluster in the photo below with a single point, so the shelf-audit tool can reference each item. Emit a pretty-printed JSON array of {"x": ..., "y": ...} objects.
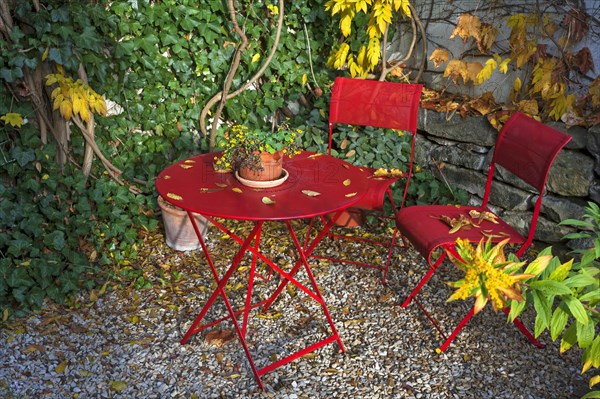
[{"x": 566, "y": 296}]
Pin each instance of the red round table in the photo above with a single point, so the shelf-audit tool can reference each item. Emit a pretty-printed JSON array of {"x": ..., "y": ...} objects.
[{"x": 317, "y": 185}]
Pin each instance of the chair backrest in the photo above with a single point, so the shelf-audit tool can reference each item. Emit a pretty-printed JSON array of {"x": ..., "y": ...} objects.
[
  {"x": 386, "y": 105},
  {"x": 527, "y": 148},
  {"x": 373, "y": 103}
]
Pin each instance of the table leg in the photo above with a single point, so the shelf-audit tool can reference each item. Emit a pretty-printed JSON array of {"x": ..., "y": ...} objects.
[
  {"x": 220, "y": 290},
  {"x": 307, "y": 250},
  {"x": 313, "y": 282}
]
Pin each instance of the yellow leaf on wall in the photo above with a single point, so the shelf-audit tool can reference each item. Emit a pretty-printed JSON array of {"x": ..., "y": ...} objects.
[
  {"x": 468, "y": 26},
  {"x": 486, "y": 72},
  {"x": 439, "y": 56},
  {"x": 457, "y": 69}
]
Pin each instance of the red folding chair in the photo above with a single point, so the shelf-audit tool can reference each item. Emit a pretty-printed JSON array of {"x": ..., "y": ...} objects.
[
  {"x": 385, "y": 105},
  {"x": 524, "y": 147}
]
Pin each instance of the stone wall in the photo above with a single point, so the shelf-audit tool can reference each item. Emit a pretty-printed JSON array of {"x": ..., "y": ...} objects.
[{"x": 465, "y": 147}]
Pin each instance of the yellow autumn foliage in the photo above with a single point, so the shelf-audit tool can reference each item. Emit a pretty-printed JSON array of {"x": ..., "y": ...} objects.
[
  {"x": 74, "y": 97},
  {"x": 380, "y": 14},
  {"x": 439, "y": 56}
]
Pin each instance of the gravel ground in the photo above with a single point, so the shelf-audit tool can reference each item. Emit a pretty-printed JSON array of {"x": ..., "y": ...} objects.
[{"x": 125, "y": 343}]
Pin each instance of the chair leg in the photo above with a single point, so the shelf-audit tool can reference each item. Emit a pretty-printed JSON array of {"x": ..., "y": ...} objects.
[
  {"x": 424, "y": 280},
  {"x": 468, "y": 317},
  {"x": 455, "y": 332},
  {"x": 389, "y": 257},
  {"x": 525, "y": 331}
]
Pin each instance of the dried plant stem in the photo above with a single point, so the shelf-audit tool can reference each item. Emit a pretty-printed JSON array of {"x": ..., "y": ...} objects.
[{"x": 225, "y": 95}]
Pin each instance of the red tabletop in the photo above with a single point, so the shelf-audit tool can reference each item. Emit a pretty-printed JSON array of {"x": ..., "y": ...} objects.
[{"x": 192, "y": 184}]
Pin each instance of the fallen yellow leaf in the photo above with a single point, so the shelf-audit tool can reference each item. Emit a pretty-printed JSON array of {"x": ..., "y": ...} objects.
[
  {"x": 174, "y": 196},
  {"x": 236, "y": 190},
  {"x": 310, "y": 193},
  {"x": 61, "y": 367},
  {"x": 267, "y": 201},
  {"x": 347, "y": 182},
  {"x": 350, "y": 195},
  {"x": 118, "y": 385}
]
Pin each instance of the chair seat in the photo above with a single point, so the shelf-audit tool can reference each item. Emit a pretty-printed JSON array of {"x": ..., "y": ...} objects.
[
  {"x": 421, "y": 225},
  {"x": 378, "y": 187}
]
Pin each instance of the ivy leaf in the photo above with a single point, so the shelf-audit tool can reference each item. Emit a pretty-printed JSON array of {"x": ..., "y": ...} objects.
[
  {"x": 12, "y": 119},
  {"x": 23, "y": 157},
  {"x": 19, "y": 278},
  {"x": 56, "y": 240}
]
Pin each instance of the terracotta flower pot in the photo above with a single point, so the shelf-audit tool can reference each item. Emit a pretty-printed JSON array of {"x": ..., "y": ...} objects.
[
  {"x": 351, "y": 217},
  {"x": 179, "y": 232},
  {"x": 272, "y": 168}
]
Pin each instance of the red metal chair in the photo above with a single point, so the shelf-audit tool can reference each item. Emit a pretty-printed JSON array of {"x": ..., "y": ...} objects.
[
  {"x": 385, "y": 105},
  {"x": 524, "y": 147}
]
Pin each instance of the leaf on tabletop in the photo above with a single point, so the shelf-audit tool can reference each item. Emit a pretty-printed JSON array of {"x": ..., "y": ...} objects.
[
  {"x": 310, "y": 193},
  {"x": 350, "y": 195},
  {"x": 174, "y": 196},
  {"x": 344, "y": 165},
  {"x": 347, "y": 182},
  {"x": 189, "y": 161},
  {"x": 237, "y": 190},
  {"x": 267, "y": 201},
  {"x": 185, "y": 166},
  {"x": 315, "y": 155},
  {"x": 222, "y": 185}
]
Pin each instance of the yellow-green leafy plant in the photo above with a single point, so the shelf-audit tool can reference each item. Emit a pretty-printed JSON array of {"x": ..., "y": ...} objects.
[
  {"x": 489, "y": 275},
  {"x": 380, "y": 14},
  {"x": 242, "y": 146},
  {"x": 564, "y": 295}
]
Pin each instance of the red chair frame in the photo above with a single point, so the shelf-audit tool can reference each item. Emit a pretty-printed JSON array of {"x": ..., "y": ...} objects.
[
  {"x": 526, "y": 148},
  {"x": 386, "y": 105}
]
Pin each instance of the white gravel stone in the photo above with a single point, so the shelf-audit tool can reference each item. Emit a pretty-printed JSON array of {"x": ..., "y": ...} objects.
[{"x": 390, "y": 351}]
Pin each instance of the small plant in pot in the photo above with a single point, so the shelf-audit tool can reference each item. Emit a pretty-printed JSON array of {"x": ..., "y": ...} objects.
[{"x": 255, "y": 154}]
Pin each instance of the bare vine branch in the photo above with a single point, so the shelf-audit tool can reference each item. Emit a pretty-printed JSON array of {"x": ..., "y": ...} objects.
[{"x": 225, "y": 95}]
